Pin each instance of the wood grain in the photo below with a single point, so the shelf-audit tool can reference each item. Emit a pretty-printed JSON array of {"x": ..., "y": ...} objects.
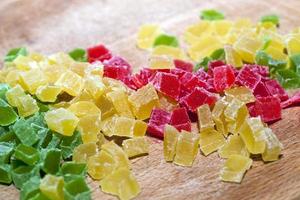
[{"x": 51, "y": 26}]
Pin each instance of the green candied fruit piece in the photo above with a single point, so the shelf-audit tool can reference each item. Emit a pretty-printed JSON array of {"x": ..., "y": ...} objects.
[
  {"x": 164, "y": 39},
  {"x": 30, "y": 188},
  {"x": 68, "y": 143},
  {"x": 77, "y": 189},
  {"x": 25, "y": 133},
  {"x": 270, "y": 18},
  {"x": 14, "y": 53},
  {"x": 52, "y": 159},
  {"x": 6, "y": 149},
  {"x": 39, "y": 196},
  {"x": 7, "y": 114},
  {"x": 27, "y": 154},
  {"x": 5, "y": 176},
  {"x": 22, "y": 174},
  {"x": 53, "y": 187},
  {"x": 3, "y": 89},
  {"x": 71, "y": 170},
  {"x": 78, "y": 54},
  {"x": 211, "y": 14}
]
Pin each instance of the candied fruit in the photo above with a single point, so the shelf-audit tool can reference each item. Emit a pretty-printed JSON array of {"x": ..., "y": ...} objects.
[
  {"x": 136, "y": 146},
  {"x": 223, "y": 77},
  {"x": 82, "y": 152},
  {"x": 180, "y": 119},
  {"x": 210, "y": 141},
  {"x": 70, "y": 82},
  {"x": 158, "y": 119},
  {"x": 205, "y": 118},
  {"x": 233, "y": 146},
  {"x": 273, "y": 146},
  {"x": 170, "y": 141},
  {"x": 117, "y": 153},
  {"x": 120, "y": 101},
  {"x": 48, "y": 93}
]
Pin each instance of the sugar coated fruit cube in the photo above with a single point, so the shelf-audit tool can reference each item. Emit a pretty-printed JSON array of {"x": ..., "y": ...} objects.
[
  {"x": 233, "y": 146},
  {"x": 223, "y": 77},
  {"x": 136, "y": 146},
  {"x": 117, "y": 153},
  {"x": 98, "y": 53},
  {"x": 120, "y": 101},
  {"x": 48, "y": 93},
  {"x": 273, "y": 146},
  {"x": 210, "y": 141},
  {"x": 242, "y": 93},
  {"x": 158, "y": 119},
  {"x": 170, "y": 142},
  {"x": 82, "y": 152},
  {"x": 146, "y": 35},
  {"x": 70, "y": 82},
  {"x": 52, "y": 187},
  {"x": 180, "y": 119}
]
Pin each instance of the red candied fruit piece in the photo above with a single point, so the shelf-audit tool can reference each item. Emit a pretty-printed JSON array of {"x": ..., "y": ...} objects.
[
  {"x": 130, "y": 83},
  {"x": 268, "y": 108},
  {"x": 258, "y": 69},
  {"x": 248, "y": 78},
  {"x": 202, "y": 75},
  {"x": 180, "y": 119},
  {"x": 294, "y": 100},
  {"x": 261, "y": 90},
  {"x": 98, "y": 53},
  {"x": 158, "y": 119},
  {"x": 184, "y": 65},
  {"x": 223, "y": 77},
  {"x": 275, "y": 89},
  {"x": 178, "y": 72},
  {"x": 189, "y": 81},
  {"x": 117, "y": 68},
  {"x": 167, "y": 83},
  {"x": 213, "y": 64},
  {"x": 198, "y": 97},
  {"x": 142, "y": 78}
]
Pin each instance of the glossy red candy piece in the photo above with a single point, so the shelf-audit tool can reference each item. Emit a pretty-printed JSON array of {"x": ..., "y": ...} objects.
[
  {"x": 248, "y": 78},
  {"x": 180, "y": 119},
  {"x": 213, "y": 64},
  {"x": 261, "y": 90},
  {"x": 198, "y": 97},
  {"x": 258, "y": 69},
  {"x": 158, "y": 119},
  {"x": 167, "y": 83},
  {"x": 98, "y": 53},
  {"x": 223, "y": 77},
  {"x": 268, "y": 108},
  {"x": 142, "y": 78},
  {"x": 275, "y": 89},
  {"x": 178, "y": 72},
  {"x": 293, "y": 101},
  {"x": 117, "y": 68},
  {"x": 189, "y": 81},
  {"x": 202, "y": 75},
  {"x": 184, "y": 65}
]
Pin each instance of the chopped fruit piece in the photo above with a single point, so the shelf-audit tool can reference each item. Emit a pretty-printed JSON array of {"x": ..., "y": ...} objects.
[
  {"x": 116, "y": 68},
  {"x": 234, "y": 168},
  {"x": 98, "y": 53},
  {"x": 170, "y": 141},
  {"x": 205, "y": 119},
  {"x": 164, "y": 39},
  {"x": 275, "y": 89},
  {"x": 52, "y": 187},
  {"x": 136, "y": 146},
  {"x": 158, "y": 119},
  {"x": 48, "y": 93},
  {"x": 184, "y": 65},
  {"x": 168, "y": 84},
  {"x": 273, "y": 146},
  {"x": 120, "y": 101},
  {"x": 186, "y": 148},
  {"x": 180, "y": 119},
  {"x": 241, "y": 93},
  {"x": 83, "y": 108},
  {"x": 169, "y": 51},
  {"x": 32, "y": 79},
  {"x": 117, "y": 153},
  {"x": 219, "y": 117},
  {"x": 128, "y": 127},
  {"x": 94, "y": 85},
  {"x": 70, "y": 82},
  {"x": 248, "y": 78},
  {"x": 233, "y": 146},
  {"x": 82, "y": 152},
  {"x": 7, "y": 113},
  {"x": 223, "y": 77},
  {"x": 210, "y": 141},
  {"x": 146, "y": 35},
  {"x": 27, "y": 106},
  {"x": 89, "y": 127},
  {"x": 161, "y": 62},
  {"x": 232, "y": 57}
]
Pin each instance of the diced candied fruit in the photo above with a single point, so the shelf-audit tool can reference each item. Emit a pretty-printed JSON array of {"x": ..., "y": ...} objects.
[
  {"x": 248, "y": 78},
  {"x": 186, "y": 148},
  {"x": 117, "y": 153},
  {"x": 101, "y": 165},
  {"x": 205, "y": 118},
  {"x": 252, "y": 133},
  {"x": 98, "y": 53},
  {"x": 122, "y": 183},
  {"x": 61, "y": 59},
  {"x": 219, "y": 117},
  {"x": 168, "y": 84},
  {"x": 32, "y": 79},
  {"x": 164, "y": 39},
  {"x": 128, "y": 127},
  {"x": 94, "y": 85},
  {"x": 170, "y": 52},
  {"x": 89, "y": 127},
  {"x": 136, "y": 146},
  {"x": 193, "y": 33},
  {"x": 210, "y": 141},
  {"x": 223, "y": 77},
  {"x": 7, "y": 114},
  {"x": 233, "y": 146},
  {"x": 48, "y": 93},
  {"x": 293, "y": 44},
  {"x": 62, "y": 121},
  {"x": 234, "y": 168},
  {"x": 107, "y": 126},
  {"x": 82, "y": 152},
  {"x": 120, "y": 101},
  {"x": 170, "y": 141},
  {"x": 161, "y": 62},
  {"x": 241, "y": 93},
  {"x": 231, "y": 111},
  {"x": 116, "y": 68},
  {"x": 198, "y": 97},
  {"x": 27, "y": 106},
  {"x": 268, "y": 108},
  {"x": 273, "y": 146},
  {"x": 83, "y": 108},
  {"x": 294, "y": 100},
  {"x": 12, "y": 95},
  {"x": 166, "y": 104},
  {"x": 184, "y": 65},
  {"x": 52, "y": 187},
  {"x": 146, "y": 35},
  {"x": 275, "y": 89},
  {"x": 261, "y": 90},
  {"x": 70, "y": 82},
  {"x": 190, "y": 81},
  {"x": 143, "y": 101},
  {"x": 106, "y": 106},
  {"x": 232, "y": 57},
  {"x": 140, "y": 128},
  {"x": 158, "y": 119},
  {"x": 180, "y": 119}
]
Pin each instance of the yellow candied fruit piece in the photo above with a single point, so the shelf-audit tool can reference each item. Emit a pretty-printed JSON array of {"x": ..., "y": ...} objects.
[
  {"x": 219, "y": 118},
  {"x": 128, "y": 127},
  {"x": 36, "y": 56},
  {"x": 146, "y": 35},
  {"x": 79, "y": 68},
  {"x": 94, "y": 69},
  {"x": 205, "y": 46},
  {"x": 231, "y": 111},
  {"x": 143, "y": 101},
  {"x": 89, "y": 127},
  {"x": 140, "y": 128},
  {"x": 243, "y": 23},
  {"x": 210, "y": 141},
  {"x": 246, "y": 46},
  {"x": 82, "y": 108},
  {"x": 233, "y": 146},
  {"x": 242, "y": 93},
  {"x": 234, "y": 168},
  {"x": 221, "y": 27},
  {"x": 32, "y": 79},
  {"x": 101, "y": 165},
  {"x": 166, "y": 104},
  {"x": 252, "y": 133},
  {"x": 172, "y": 52},
  {"x": 205, "y": 118},
  {"x": 292, "y": 43},
  {"x": 241, "y": 115},
  {"x": 48, "y": 93},
  {"x": 136, "y": 146},
  {"x": 186, "y": 148},
  {"x": 266, "y": 25},
  {"x": 82, "y": 152},
  {"x": 101, "y": 140},
  {"x": 275, "y": 53},
  {"x": 52, "y": 72},
  {"x": 62, "y": 59},
  {"x": 170, "y": 142},
  {"x": 94, "y": 85},
  {"x": 70, "y": 82},
  {"x": 13, "y": 78},
  {"x": 62, "y": 121},
  {"x": 273, "y": 146},
  {"x": 114, "y": 85},
  {"x": 232, "y": 57},
  {"x": 121, "y": 183},
  {"x": 107, "y": 126},
  {"x": 27, "y": 106},
  {"x": 117, "y": 153},
  {"x": 52, "y": 187},
  {"x": 193, "y": 33},
  {"x": 13, "y": 94},
  {"x": 120, "y": 101},
  {"x": 161, "y": 62},
  {"x": 24, "y": 63},
  {"x": 83, "y": 96}
]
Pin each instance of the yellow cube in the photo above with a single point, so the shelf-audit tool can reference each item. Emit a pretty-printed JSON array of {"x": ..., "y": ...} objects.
[
  {"x": 48, "y": 93},
  {"x": 233, "y": 146},
  {"x": 146, "y": 35},
  {"x": 82, "y": 152},
  {"x": 210, "y": 141},
  {"x": 170, "y": 142},
  {"x": 136, "y": 146},
  {"x": 70, "y": 82}
]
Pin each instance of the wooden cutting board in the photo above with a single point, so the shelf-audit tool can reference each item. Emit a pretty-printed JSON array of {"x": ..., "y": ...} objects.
[{"x": 56, "y": 25}]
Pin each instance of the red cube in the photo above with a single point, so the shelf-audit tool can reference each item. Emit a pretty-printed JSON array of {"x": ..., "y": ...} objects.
[
  {"x": 158, "y": 119},
  {"x": 223, "y": 77},
  {"x": 184, "y": 65},
  {"x": 98, "y": 53},
  {"x": 180, "y": 119},
  {"x": 248, "y": 78}
]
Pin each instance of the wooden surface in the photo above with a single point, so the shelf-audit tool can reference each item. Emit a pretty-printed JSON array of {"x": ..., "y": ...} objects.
[{"x": 56, "y": 25}]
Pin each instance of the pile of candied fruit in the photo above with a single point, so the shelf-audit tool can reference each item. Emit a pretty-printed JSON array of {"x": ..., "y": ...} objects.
[{"x": 64, "y": 116}]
